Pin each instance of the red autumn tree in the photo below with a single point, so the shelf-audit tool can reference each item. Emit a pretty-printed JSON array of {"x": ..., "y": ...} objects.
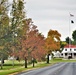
[{"x": 33, "y": 45}]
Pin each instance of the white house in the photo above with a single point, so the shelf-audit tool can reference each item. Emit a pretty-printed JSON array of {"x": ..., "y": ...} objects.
[
  {"x": 56, "y": 54},
  {"x": 69, "y": 51}
]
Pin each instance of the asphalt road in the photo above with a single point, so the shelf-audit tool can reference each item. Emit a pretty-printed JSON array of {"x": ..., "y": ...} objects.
[{"x": 57, "y": 69}]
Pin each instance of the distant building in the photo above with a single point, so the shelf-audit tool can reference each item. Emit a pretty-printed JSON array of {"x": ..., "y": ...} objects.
[
  {"x": 56, "y": 54},
  {"x": 69, "y": 51}
]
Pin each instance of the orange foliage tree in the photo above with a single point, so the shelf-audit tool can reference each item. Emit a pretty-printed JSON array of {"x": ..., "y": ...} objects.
[{"x": 52, "y": 42}]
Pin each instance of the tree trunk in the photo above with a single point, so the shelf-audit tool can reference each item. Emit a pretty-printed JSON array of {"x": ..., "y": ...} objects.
[
  {"x": 33, "y": 62},
  {"x": 48, "y": 58},
  {"x": 2, "y": 61},
  {"x": 25, "y": 62}
]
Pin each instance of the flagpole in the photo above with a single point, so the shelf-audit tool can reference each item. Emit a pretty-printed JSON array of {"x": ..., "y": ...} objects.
[
  {"x": 69, "y": 28},
  {"x": 70, "y": 22}
]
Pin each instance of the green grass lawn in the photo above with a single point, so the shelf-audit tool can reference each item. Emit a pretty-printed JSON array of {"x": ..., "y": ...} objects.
[
  {"x": 8, "y": 69},
  {"x": 62, "y": 60},
  {"x": 18, "y": 67}
]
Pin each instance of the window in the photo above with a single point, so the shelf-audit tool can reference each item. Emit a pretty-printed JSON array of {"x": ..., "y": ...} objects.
[
  {"x": 74, "y": 49},
  {"x": 65, "y": 54},
  {"x": 70, "y": 49},
  {"x": 62, "y": 54},
  {"x": 65, "y": 49},
  {"x": 74, "y": 54}
]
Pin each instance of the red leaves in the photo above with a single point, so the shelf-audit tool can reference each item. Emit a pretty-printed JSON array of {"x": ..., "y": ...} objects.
[{"x": 33, "y": 45}]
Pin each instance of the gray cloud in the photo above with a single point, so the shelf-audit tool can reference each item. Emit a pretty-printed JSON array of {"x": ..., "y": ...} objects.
[
  {"x": 49, "y": 4},
  {"x": 52, "y": 14}
]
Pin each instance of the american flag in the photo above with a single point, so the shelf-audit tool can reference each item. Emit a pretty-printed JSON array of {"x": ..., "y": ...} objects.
[
  {"x": 72, "y": 21},
  {"x": 71, "y": 15}
]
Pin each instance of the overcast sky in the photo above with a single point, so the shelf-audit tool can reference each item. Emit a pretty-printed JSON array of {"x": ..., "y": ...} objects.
[{"x": 52, "y": 14}]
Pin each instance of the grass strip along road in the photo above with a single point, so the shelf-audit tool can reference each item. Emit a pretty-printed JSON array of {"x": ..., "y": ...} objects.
[
  {"x": 57, "y": 69},
  {"x": 8, "y": 69}
]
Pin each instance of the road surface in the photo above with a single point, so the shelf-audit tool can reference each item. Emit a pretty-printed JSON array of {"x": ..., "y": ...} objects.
[{"x": 57, "y": 69}]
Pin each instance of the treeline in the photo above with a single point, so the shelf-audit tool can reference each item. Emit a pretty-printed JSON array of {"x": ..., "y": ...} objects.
[
  {"x": 72, "y": 40},
  {"x": 20, "y": 38}
]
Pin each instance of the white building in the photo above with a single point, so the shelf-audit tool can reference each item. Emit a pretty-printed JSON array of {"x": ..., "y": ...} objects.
[
  {"x": 69, "y": 51},
  {"x": 56, "y": 54}
]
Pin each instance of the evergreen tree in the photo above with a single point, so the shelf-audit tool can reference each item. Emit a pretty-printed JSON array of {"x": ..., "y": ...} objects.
[{"x": 74, "y": 35}]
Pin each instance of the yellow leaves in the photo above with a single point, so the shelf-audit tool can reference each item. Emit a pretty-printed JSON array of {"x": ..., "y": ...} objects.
[
  {"x": 48, "y": 43},
  {"x": 5, "y": 20},
  {"x": 52, "y": 42},
  {"x": 1, "y": 47},
  {"x": 3, "y": 13},
  {"x": 20, "y": 5},
  {"x": 54, "y": 34},
  {"x": 63, "y": 42},
  {"x": 1, "y": 9}
]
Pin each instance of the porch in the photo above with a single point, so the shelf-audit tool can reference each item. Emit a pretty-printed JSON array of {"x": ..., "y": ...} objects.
[{"x": 69, "y": 55}]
